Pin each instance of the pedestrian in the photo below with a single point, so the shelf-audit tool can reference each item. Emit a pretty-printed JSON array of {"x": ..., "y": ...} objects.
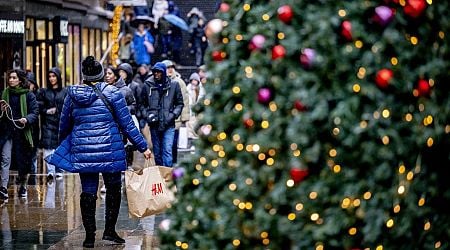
[
  {"x": 94, "y": 114},
  {"x": 51, "y": 100},
  {"x": 143, "y": 47},
  {"x": 196, "y": 93},
  {"x": 184, "y": 117},
  {"x": 176, "y": 37},
  {"x": 142, "y": 74},
  {"x": 19, "y": 111},
  {"x": 163, "y": 102},
  {"x": 33, "y": 86},
  {"x": 114, "y": 78}
]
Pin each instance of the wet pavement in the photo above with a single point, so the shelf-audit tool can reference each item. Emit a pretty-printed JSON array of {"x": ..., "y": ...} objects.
[{"x": 50, "y": 218}]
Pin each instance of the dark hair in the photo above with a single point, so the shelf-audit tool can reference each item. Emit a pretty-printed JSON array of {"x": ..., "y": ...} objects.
[
  {"x": 114, "y": 70},
  {"x": 22, "y": 75}
]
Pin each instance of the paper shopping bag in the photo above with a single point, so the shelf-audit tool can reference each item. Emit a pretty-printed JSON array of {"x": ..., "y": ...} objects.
[
  {"x": 148, "y": 193},
  {"x": 183, "y": 137}
]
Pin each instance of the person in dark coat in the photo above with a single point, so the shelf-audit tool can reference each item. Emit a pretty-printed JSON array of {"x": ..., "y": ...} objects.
[
  {"x": 140, "y": 77},
  {"x": 126, "y": 73},
  {"x": 112, "y": 77},
  {"x": 33, "y": 86},
  {"x": 51, "y": 100},
  {"x": 163, "y": 103},
  {"x": 19, "y": 111},
  {"x": 92, "y": 144}
]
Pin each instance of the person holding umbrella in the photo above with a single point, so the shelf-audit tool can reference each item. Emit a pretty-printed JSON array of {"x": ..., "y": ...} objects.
[{"x": 143, "y": 43}]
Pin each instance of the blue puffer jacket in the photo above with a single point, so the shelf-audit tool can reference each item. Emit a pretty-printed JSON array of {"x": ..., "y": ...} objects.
[{"x": 91, "y": 139}]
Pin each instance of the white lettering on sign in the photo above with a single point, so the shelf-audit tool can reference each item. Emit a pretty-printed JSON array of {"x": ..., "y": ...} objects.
[
  {"x": 63, "y": 27},
  {"x": 12, "y": 26}
]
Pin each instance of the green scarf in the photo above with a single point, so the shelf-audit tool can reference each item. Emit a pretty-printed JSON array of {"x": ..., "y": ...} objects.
[{"x": 23, "y": 106}]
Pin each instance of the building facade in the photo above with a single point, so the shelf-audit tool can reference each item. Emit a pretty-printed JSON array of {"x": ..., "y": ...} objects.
[{"x": 37, "y": 35}]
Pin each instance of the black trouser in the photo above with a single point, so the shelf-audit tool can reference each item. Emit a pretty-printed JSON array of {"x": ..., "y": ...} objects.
[{"x": 175, "y": 146}]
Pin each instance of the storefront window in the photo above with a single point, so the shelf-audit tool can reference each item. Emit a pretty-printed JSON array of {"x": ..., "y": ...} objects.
[
  {"x": 41, "y": 29},
  {"x": 76, "y": 54},
  {"x": 69, "y": 57},
  {"x": 50, "y": 30},
  {"x": 43, "y": 59},
  {"x": 29, "y": 29},
  {"x": 85, "y": 45},
  {"x": 38, "y": 67},
  {"x": 29, "y": 58},
  {"x": 60, "y": 61},
  {"x": 98, "y": 48},
  {"x": 104, "y": 41},
  {"x": 92, "y": 42}
]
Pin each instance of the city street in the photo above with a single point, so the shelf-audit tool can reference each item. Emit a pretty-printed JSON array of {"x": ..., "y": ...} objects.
[{"x": 50, "y": 218}]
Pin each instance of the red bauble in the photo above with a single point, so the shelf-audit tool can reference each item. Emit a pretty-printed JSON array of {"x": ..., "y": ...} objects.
[
  {"x": 423, "y": 87},
  {"x": 218, "y": 56},
  {"x": 285, "y": 14},
  {"x": 298, "y": 105},
  {"x": 224, "y": 7},
  {"x": 383, "y": 77},
  {"x": 298, "y": 174},
  {"x": 278, "y": 52},
  {"x": 414, "y": 8},
  {"x": 346, "y": 30},
  {"x": 248, "y": 122}
]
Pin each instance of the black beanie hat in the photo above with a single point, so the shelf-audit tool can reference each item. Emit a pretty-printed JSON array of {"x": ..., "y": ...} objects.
[{"x": 92, "y": 70}]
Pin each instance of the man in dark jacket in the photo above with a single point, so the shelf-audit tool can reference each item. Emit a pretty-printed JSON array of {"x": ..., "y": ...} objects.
[
  {"x": 51, "y": 100},
  {"x": 162, "y": 104}
]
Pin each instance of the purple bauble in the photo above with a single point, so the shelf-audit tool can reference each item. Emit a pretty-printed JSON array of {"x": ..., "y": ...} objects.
[
  {"x": 177, "y": 173},
  {"x": 264, "y": 95},
  {"x": 257, "y": 42},
  {"x": 383, "y": 15},
  {"x": 307, "y": 58}
]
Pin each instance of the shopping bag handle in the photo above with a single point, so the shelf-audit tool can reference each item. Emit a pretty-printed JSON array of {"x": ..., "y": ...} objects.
[{"x": 148, "y": 163}]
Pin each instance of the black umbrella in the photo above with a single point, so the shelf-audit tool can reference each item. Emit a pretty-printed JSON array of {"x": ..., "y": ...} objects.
[{"x": 141, "y": 20}]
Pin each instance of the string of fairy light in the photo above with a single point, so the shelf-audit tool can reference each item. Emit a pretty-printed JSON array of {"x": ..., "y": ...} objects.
[
  {"x": 406, "y": 177},
  {"x": 115, "y": 31}
]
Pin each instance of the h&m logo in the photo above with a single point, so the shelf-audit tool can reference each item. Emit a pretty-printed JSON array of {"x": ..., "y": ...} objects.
[{"x": 157, "y": 188}]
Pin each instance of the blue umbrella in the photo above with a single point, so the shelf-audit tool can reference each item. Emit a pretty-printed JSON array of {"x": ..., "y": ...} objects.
[{"x": 177, "y": 21}]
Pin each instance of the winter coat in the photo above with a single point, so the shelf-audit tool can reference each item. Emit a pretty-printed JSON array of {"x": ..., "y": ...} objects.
[
  {"x": 136, "y": 89},
  {"x": 141, "y": 56},
  {"x": 128, "y": 94},
  {"x": 164, "y": 102},
  {"x": 91, "y": 141},
  {"x": 50, "y": 98},
  {"x": 7, "y": 128},
  {"x": 184, "y": 117}
]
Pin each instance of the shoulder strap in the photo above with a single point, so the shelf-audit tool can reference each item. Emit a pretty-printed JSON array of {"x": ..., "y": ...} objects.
[{"x": 103, "y": 98}]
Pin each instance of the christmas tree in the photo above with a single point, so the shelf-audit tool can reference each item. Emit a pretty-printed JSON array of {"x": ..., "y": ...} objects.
[{"x": 326, "y": 126}]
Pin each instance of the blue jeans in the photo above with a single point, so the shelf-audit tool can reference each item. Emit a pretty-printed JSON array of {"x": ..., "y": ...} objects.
[{"x": 162, "y": 146}]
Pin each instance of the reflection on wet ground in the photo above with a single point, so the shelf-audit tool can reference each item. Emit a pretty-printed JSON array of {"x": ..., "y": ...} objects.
[{"x": 49, "y": 218}]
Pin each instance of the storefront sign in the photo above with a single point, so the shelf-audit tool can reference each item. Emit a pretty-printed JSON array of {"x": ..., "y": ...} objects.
[
  {"x": 61, "y": 29},
  {"x": 12, "y": 26},
  {"x": 128, "y": 2}
]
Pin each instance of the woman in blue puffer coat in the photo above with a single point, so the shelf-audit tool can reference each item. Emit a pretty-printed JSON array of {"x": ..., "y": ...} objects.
[{"x": 92, "y": 144}]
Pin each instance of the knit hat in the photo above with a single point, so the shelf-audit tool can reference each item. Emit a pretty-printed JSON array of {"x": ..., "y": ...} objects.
[
  {"x": 168, "y": 63},
  {"x": 92, "y": 70},
  {"x": 194, "y": 76}
]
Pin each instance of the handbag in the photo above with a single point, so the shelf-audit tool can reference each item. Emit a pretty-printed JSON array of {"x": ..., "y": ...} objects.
[{"x": 148, "y": 191}]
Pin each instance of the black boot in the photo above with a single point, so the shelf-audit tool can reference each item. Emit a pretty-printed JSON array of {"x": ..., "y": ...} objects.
[
  {"x": 87, "y": 205},
  {"x": 113, "y": 198}
]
